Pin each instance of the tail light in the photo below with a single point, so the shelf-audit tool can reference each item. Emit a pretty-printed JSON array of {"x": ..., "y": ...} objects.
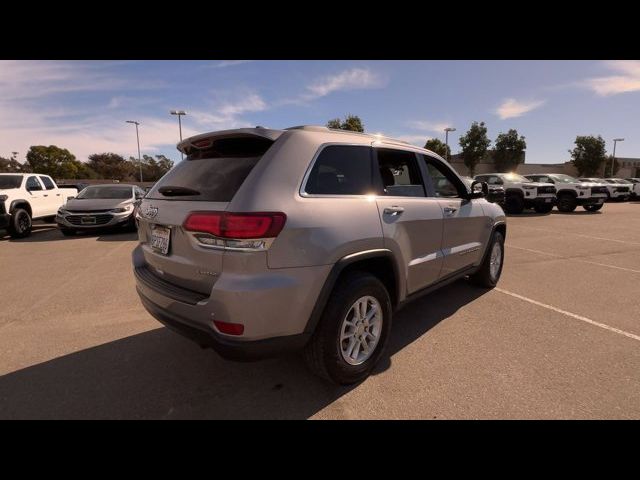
[{"x": 235, "y": 230}]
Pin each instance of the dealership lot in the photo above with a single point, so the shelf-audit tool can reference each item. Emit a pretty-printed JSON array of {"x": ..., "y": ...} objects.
[{"x": 558, "y": 338}]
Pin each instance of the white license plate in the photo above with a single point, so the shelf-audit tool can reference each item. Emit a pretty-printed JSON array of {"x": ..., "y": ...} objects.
[
  {"x": 160, "y": 238},
  {"x": 88, "y": 220},
  {"x": 547, "y": 200}
]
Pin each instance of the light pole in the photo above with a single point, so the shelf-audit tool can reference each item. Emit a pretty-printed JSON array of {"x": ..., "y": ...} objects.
[
  {"x": 613, "y": 158},
  {"x": 179, "y": 113},
  {"x": 446, "y": 141},
  {"x": 138, "y": 138}
]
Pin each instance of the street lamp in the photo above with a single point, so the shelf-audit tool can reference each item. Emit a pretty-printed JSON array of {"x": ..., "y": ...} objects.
[
  {"x": 613, "y": 158},
  {"x": 179, "y": 113},
  {"x": 138, "y": 138},
  {"x": 446, "y": 141}
]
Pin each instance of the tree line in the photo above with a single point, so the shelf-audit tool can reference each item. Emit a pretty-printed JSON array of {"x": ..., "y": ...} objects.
[
  {"x": 60, "y": 163},
  {"x": 588, "y": 156}
]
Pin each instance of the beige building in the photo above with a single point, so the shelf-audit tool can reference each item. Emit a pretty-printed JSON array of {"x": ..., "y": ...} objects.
[{"x": 629, "y": 167}]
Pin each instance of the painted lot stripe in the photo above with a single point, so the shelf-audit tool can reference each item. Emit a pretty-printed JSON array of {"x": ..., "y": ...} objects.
[
  {"x": 569, "y": 314},
  {"x": 571, "y": 258},
  {"x": 546, "y": 230}
]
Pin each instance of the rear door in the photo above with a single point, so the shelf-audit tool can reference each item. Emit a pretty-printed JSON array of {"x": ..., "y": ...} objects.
[
  {"x": 206, "y": 180},
  {"x": 411, "y": 222},
  {"x": 52, "y": 196},
  {"x": 464, "y": 220}
]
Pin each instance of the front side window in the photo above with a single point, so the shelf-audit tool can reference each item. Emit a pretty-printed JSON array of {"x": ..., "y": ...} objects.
[
  {"x": 48, "y": 184},
  {"x": 341, "y": 170},
  {"x": 400, "y": 173},
  {"x": 33, "y": 184},
  {"x": 444, "y": 185}
]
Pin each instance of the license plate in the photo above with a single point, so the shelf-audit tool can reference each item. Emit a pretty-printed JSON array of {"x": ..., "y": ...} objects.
[
  {"x": 88, "y": 220},
  {"x": 160, "y": 238},
  {"x": 547, "y": 200}
]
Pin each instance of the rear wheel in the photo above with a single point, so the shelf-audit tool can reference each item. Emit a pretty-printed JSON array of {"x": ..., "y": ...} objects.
[
  {"x": 567, "y": 203},
  {"x": 489, "y": 272},
  {"x": 593, "y": 208},
  {"x": 353, "y": 331},
  {"x": 514, "y": 204},
  {"x": 20, "y": 225}
]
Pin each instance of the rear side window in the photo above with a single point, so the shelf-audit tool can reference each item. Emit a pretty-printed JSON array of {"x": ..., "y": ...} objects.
[
  {"x": 341, "y": 170},
  {"x": 213, "y": 173},
  {"x": 48, "y": 184}
]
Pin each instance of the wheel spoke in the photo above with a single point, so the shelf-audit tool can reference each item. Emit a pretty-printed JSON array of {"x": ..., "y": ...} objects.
[{"x": 356, "y": 349}]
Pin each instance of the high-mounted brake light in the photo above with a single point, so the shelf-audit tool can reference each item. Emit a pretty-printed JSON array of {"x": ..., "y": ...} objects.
[
  {"x": 202, "y": 143},
  {"x": 236, "y": 225}
]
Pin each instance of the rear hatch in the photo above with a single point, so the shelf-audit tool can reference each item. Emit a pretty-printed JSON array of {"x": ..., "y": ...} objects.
[{"x": 206, "y": 180}]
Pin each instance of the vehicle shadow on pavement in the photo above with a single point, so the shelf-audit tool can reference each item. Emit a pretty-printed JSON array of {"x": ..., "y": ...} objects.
[
  {"x": 159, "y": 375},
  {"x": 51, "y": 233}
]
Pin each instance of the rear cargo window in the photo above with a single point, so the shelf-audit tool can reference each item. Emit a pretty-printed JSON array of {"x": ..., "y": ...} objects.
[{"x": 214, "y": 173}]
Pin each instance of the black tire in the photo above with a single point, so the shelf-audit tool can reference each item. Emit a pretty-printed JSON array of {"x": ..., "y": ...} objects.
[
  {"x": 20, "y": 223},
  {"x": 67, "y": 232},
  {"x": 323, "y": 352},
  {"x": 567, "y": 203},
  {"x": 543, "y": 208},
  {"x": 514, "y": 204},
  {"x": 483, "y": 276},
  {"x": 592, "y": 208}
]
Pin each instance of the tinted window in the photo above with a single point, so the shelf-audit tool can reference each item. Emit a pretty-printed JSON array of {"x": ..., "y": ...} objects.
[
  {"x": 33, "y": 184},
  {"x": 399, "y": 173},
  {"x": 10, "y": 181},
  {"x": 214, "y": 173},
  {"x": 341, "y": 170},
  {"x": 442, "y": 186},
  {"x": 105, "y": 192},
  {"x": 48, "y": 184}
]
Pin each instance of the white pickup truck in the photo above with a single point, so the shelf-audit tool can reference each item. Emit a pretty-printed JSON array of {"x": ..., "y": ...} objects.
[{"x": 25, "y": 197}]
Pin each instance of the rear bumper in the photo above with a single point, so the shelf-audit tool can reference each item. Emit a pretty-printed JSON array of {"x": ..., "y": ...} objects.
[
  {"x": 226, "y": 347},
  {"x": 5, "y": 219}
]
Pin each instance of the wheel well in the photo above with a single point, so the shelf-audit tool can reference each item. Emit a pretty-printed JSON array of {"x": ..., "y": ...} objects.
[
  {"x": 502, "y": 228},
  {"x": 380, "y": 267},
  {"x": 21, "y": 204}
]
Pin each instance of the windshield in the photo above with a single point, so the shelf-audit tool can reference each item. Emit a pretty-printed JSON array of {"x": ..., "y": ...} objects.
[
  {"x": 514, "y": 177},
  {"x": 609, "y": 181},
  {"x": 10, "y": 181},
  {"x": 564, "y": 178},
  {"x": 105, "y": 192}
]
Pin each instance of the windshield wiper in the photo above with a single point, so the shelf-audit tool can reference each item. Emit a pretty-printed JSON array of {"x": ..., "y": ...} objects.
[{"x": 177, "y": 191}]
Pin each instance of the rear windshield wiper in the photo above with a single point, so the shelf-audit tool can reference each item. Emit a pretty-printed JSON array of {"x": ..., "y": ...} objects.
[{"x": 169, "y": 191}]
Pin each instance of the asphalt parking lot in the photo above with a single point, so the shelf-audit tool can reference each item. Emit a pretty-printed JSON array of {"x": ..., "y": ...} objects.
[{"x": 558, "y": 338}]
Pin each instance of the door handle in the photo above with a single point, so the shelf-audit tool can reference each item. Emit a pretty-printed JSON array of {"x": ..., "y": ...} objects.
[
  {"x": 394, "y": 211},
  {"x": 57, "y": 194},
  {"x": 450, "y": 210},
  {"x": 46, "y": 194}
]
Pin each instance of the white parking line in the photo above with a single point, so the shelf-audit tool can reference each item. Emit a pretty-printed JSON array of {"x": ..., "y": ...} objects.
[
  {"x": 569, "y": 314},
  {"x": 581, "y": 235},
  {"x": 574, "y": 259}
]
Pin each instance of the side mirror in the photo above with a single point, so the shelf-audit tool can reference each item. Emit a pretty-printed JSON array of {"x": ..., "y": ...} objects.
[{"x": 482, "y": 192}]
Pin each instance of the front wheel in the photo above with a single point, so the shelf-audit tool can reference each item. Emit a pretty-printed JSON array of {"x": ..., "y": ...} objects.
[
  {"x": 20, "y": 225},
  {"x": 514, "y": 204},
  {"x": 592, "y": 208},
  {"x": 353, "y": 331},
  {"x": 489, "y": 272},
  {"x": 567, "y": 203}
]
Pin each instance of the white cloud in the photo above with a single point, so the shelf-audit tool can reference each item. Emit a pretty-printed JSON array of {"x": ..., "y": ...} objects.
[
  {"x": 428, "y": 126},
  {"x": 512, "y": 108},
  {"x": 626, "y": 78},
  {"x": 352, "y": 79}
]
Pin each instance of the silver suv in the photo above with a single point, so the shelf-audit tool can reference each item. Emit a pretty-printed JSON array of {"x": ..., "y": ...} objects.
[{"x": 263, "y": 241}]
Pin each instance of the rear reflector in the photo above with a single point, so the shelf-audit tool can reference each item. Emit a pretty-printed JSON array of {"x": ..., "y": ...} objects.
[
  {"x": 229, "y": 328},
  {"x": 236, "y": 225}
]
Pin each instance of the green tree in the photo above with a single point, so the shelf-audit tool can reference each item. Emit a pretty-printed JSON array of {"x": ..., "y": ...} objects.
[
  {"x": 438, "y": 146},
  {"x": 474, "y": 144},
  {"x": 509, "y": 151},
  {"x": 110, "y": 166},
  {"x": 350, "y": 122},
  {"x": 607, "y": 167},
  {"x": 55, "y": 161},
  {"x": 12, "y": 165},
  {"x": 152, "y": 168},
  {"x": 588, "y": 154}
]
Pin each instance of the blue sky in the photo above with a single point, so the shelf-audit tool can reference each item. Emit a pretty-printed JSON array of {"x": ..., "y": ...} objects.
[{"x": 83, "y": 106}]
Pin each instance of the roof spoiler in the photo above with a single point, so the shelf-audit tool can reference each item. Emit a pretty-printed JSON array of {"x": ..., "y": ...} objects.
[{"x": 206, "y": 139}]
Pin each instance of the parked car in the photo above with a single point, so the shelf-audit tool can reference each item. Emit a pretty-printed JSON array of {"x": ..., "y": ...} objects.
[
  {"x": 495, "y": 192},
  {"x": 615, "y": 191},
  {"x": 100, "y": 206},
  {"x": 571, "y": 192},
  {"x": 521, "y": 193},
  {"x": 28, "y": 197},
  {"x": 636, "y": 187},
  {"x": 263, "y": 241}
]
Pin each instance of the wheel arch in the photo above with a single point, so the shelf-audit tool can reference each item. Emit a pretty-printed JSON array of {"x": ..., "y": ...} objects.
[{"x": 21, "y": 203}]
